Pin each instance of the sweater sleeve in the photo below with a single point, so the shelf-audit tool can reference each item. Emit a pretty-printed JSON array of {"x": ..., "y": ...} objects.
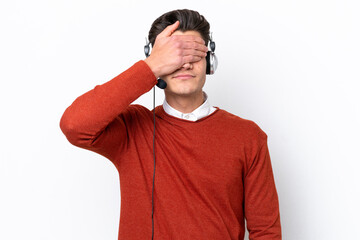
[
  {"x": 95, "y": 120},
  {"x": 261, "y": 199}
]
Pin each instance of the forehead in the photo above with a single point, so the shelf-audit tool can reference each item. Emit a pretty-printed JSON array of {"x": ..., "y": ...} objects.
[{"x": 189, "y": 32}]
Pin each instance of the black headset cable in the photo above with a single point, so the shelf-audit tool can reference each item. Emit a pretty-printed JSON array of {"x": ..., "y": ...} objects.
[{"x": 152, "y": 195}]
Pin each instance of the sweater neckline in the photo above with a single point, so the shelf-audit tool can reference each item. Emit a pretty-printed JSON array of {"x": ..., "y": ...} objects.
[{"x": 161, "y": 113}]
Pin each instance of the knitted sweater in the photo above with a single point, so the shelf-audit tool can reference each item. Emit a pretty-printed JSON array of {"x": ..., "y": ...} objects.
[{"x": 210, "y": 174}]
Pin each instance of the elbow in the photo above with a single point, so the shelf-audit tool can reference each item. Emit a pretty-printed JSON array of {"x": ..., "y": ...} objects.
[
  {"x": 68, "y": 129},
  {"x": 72, "y": 131}
]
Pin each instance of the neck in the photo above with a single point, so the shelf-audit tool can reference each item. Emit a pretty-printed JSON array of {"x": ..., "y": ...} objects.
[{"x": 185, "y": 104}]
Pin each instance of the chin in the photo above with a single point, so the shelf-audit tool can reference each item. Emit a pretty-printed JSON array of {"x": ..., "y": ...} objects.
[
  {"x": 184, "y": 87},
  {"x": 181, "y": 91}
]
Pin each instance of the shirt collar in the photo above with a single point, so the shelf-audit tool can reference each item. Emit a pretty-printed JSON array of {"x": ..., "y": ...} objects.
[{"x": 204, "y": 110}]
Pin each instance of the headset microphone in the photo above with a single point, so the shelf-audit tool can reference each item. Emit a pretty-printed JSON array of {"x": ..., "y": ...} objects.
[{"x": 161, "y": 83}]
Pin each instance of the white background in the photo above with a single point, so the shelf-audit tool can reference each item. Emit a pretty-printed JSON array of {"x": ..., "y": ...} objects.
[{"x": 290, "y": 66}]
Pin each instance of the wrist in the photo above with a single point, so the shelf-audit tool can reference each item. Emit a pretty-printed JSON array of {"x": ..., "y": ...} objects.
[{"x": 152, "y": 66}]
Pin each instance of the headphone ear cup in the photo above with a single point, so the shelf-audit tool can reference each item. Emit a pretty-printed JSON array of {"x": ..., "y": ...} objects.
[
  {"x": 208, "y": 63},
  {"x": 147, "y": 50}
]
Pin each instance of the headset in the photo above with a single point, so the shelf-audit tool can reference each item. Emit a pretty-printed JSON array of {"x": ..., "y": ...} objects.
[
  {"x": 211, "y": 66},
  {"x": 211, "y": 60}
]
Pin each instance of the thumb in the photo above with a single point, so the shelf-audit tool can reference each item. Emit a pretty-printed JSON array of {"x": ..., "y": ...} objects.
[{"x": 169, "y": 29}]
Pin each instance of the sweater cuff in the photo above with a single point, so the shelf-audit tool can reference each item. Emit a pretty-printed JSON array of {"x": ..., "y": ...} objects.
[{"x": 146, "y": 74}]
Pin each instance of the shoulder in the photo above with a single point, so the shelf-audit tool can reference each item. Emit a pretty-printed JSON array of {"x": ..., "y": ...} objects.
[
  {"x": 136, "y": 112},
  {"x": 138, "y": 109},
  {"x": 239, "y": 126}
]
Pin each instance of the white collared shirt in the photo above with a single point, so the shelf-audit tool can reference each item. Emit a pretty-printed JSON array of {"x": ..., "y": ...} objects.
[{"x": 204, "y": 110}]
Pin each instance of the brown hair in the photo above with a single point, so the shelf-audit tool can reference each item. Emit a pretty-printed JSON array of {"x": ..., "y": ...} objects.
[{"x": 189, "y": 20}]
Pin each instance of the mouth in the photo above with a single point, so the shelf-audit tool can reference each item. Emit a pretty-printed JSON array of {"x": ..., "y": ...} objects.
[{"x": 184, "y": 76}]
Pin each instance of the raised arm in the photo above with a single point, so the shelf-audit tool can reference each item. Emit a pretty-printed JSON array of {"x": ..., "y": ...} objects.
[{"x": 93, "y": 121}]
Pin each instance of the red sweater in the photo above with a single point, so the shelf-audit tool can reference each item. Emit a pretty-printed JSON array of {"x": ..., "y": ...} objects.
[{"x": 210, "y": 174}]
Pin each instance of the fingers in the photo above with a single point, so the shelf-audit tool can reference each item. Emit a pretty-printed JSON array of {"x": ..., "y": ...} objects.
[
  {"x": 194, "y": 46},
  {"x": 194, "y": 52},
  {"x": 169, "y": 30},
  {"x": 191, "y": 59},
  {"x": 172, "y": 51},
  {"x": 189, "y": 38}
]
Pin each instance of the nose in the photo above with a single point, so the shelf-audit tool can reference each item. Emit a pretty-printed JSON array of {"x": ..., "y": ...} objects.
[{"x": 187, "y": 66}]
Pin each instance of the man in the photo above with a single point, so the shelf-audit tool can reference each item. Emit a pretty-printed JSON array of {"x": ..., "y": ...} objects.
[{"x": 213, "y": 168}]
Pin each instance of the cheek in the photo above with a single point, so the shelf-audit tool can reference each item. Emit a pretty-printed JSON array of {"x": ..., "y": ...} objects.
[{"x": 201, "y": 66}]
